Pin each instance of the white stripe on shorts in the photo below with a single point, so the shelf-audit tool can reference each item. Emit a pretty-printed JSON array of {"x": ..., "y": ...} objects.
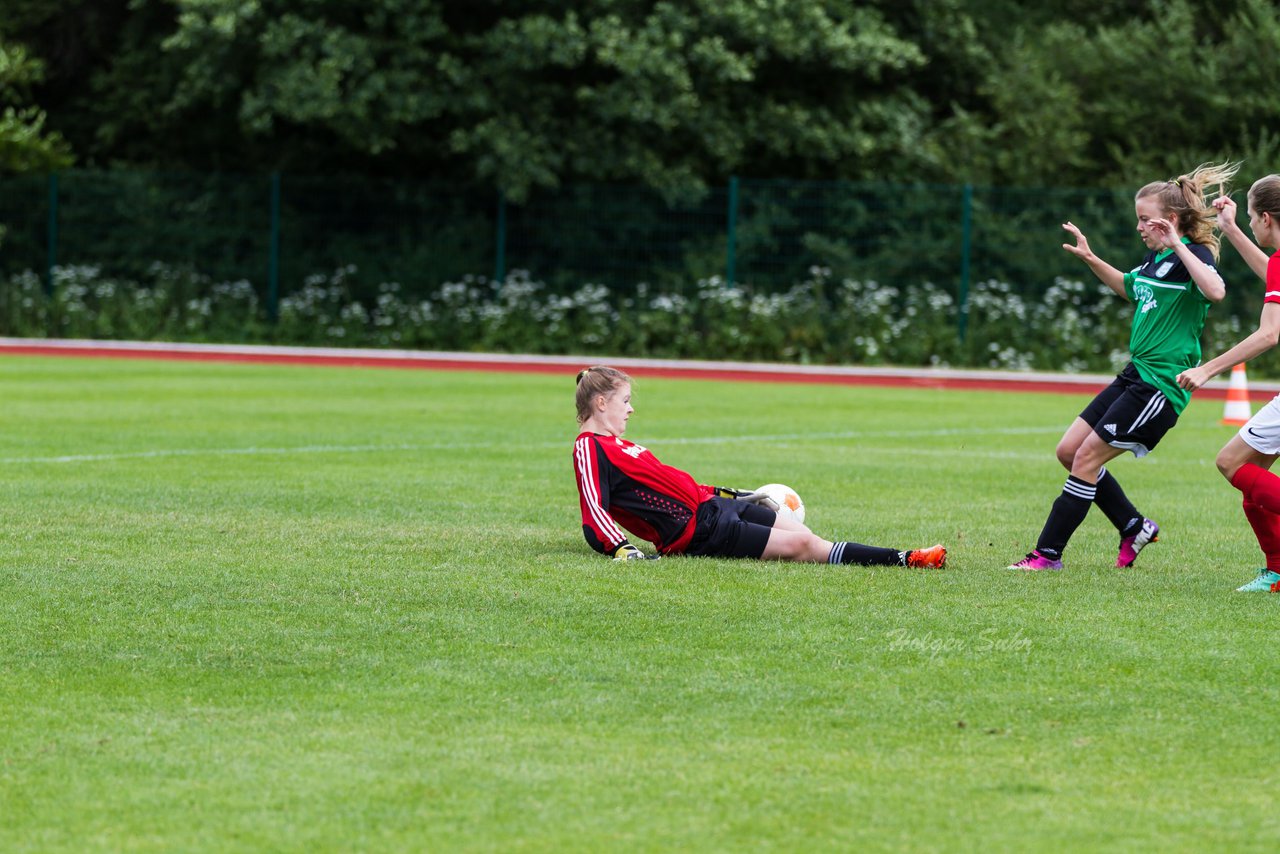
[{"x": 1151, "y": 410}]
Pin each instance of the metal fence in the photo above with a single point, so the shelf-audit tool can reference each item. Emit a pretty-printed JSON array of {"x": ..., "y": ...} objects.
[{"x": 275, "y": 231}]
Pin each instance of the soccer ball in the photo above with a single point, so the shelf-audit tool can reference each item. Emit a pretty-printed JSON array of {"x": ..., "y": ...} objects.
[{"x": 782, "y": 500}]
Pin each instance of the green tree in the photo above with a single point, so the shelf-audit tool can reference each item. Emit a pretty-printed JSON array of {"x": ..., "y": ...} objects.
[
  {"x": 518, "y": 95},
  {"x": 673, "y": 95},
  {"x": 296, "y": 85},
  {"x": 1129, "y": 100},
  {"x": 25, "y": 144}
]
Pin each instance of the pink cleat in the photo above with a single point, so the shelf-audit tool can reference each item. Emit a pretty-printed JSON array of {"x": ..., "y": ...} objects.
[
  {"x": 1130, "y": 546},
  {"x": 1036, "y": 562}
]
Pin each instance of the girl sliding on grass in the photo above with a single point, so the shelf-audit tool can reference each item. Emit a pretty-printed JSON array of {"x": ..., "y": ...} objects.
[
  {"x": 622, "y": 485},
  {"x": 1246, "y": 460},
  {"x": 1171, "y": 290}
]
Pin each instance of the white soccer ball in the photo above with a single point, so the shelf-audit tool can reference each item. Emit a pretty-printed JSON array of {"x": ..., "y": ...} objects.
[{"x": 782, "y": 500}]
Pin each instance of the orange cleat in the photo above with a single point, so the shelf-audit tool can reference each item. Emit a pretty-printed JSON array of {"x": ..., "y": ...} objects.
[{"x": 934, "y": 557}]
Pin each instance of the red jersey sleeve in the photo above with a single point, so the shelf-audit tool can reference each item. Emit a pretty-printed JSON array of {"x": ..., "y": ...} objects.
[
  {"x": 599, "y": 528},
  {"x": 1273, "y": 279}
]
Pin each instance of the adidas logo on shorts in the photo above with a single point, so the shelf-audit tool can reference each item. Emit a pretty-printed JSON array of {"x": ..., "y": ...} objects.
[{"x": 1110, "y": 428}]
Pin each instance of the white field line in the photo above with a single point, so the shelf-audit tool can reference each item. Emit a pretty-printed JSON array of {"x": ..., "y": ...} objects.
[
  {"x": 455, "y": 446},
  {"x": 865, "y": 434},
  {"x": 207, "y": 452}
]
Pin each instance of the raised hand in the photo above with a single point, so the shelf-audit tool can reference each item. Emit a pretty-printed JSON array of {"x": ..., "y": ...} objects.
[
  {"x": 1226, "y": 207},
  {"x": 1081, "y": 248},
  {"x": 1165, "y": 232}
]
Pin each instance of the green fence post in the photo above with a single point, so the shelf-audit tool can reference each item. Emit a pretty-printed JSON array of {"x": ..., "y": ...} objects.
[
  {"x": 51, "y": 257},
  {"x": 500, "y": 240},
  {"x": 731, "y": 250},
  {"x": 966, "y": 220},
  {"x": 273, "y": 270}
]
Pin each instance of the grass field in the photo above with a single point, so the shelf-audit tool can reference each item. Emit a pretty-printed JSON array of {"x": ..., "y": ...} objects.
[{"x": 250, "y": 608}]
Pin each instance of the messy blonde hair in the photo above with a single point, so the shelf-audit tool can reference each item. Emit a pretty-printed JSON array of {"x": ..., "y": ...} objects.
[
  {"x": 595, "y": 381},
  {"x": 1188, "y": 197}
]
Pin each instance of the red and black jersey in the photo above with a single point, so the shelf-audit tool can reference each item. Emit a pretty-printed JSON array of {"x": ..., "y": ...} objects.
[
  {"x": 623, "y": 485},
  {"x": 1273, "y": 279}
]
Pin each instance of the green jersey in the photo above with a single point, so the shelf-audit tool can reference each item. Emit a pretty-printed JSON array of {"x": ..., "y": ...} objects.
[{"x": 1168, "y": 317}]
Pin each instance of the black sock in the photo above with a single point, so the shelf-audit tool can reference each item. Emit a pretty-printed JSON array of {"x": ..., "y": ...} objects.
[
  {"x": 1068, "y": 512},
  {"x": 1112, "y": 501},
  {"x": 865, "y": 555}
]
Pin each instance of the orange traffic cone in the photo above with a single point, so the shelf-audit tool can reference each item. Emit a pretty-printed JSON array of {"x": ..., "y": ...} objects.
[{"x": 1237, "y": 411}]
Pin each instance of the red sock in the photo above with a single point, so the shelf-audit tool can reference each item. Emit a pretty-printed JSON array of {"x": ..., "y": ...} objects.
[
  {"x": 1259, "y": 486},
  {"x": 1266, "y": 527}
]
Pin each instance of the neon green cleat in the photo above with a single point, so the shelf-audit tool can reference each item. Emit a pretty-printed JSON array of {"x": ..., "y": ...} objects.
[{"x": 1266, "y": 582}]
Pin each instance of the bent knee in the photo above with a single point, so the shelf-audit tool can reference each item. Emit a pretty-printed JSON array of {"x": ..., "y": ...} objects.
[
  {"x": 1072, "y": 451},
  {"x": 1228, "y": 465},
  {"x": 1089, "y": 460},
  {"x": 813, "y": 549}
]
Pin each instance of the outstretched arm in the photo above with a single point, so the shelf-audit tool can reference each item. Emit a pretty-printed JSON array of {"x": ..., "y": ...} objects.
[
  {"x": 1262, "y": 340},
  {"x": 1108, "y": 275}
]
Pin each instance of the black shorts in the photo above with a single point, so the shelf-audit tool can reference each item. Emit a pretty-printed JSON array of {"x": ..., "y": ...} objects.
[
  {"x": 1130, "y": 414},
  {"x": 725, "y": 527}
]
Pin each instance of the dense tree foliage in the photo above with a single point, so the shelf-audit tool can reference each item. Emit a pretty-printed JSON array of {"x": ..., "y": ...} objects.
[
  {"x": 25, "y": 145},
  {"x": 674, "y": 95},
  {"x": 1132, "y": 99}
]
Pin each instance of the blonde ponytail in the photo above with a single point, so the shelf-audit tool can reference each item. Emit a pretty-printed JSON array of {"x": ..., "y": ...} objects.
[{"x": 1188, "y": 197}]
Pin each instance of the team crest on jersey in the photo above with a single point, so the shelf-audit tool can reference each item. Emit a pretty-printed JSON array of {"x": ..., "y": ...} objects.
[{"x": 1163, "y": 269}]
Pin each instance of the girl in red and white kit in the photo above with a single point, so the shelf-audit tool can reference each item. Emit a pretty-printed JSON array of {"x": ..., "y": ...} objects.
[{"x": 1246, "y": 460}]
